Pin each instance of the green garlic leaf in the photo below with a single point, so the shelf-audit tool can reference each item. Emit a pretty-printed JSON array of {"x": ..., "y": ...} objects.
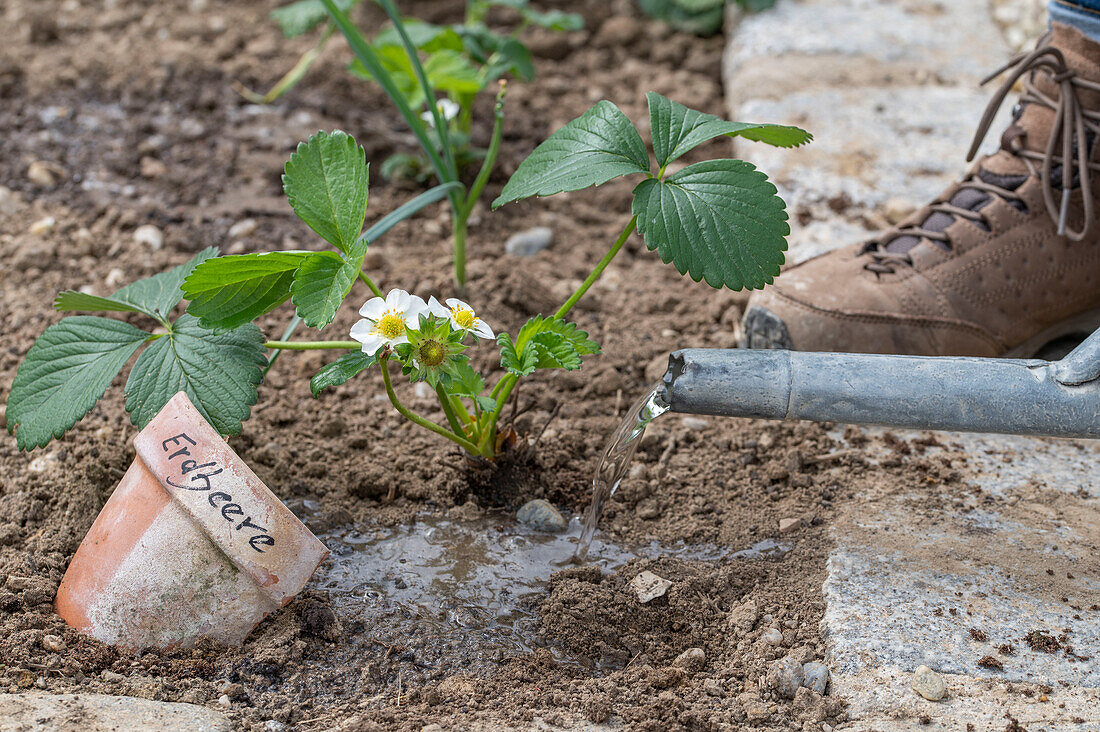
[
  {"x": 326, "y": 184},
  {"x": 719, "y": 220},
  {"x": 227, "y": 292},
  {"x": 218, "y": 371},
  {"x": 676, "y": 129},
  {"x": 407, "y": 209},
  {"x": 555, "y": 20},
  {"x": 65, "y": 373},
  {"x": 322, "y": 283},
  {"x": 599, "y": 145},
  {"x": 340, "y": 370},
  {"x": 154, "y": 296},
  {"x": 305, "y": 15}
]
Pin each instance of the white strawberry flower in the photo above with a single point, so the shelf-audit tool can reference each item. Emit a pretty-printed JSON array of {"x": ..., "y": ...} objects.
[
  {"x": 385, "y": 320},
  {"x": 447, "y": 109},
  {"x": 461, "y": 315}
]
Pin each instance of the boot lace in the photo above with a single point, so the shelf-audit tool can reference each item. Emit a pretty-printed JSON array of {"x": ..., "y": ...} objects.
[{"x": 1067, "y": 152}]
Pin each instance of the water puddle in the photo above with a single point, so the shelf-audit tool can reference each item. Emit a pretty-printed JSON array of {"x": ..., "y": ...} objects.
[{"x": 439, "y": 588}]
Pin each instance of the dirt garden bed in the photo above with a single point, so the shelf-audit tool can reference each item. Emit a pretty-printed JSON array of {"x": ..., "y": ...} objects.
[{"x": 132, "y": 111}]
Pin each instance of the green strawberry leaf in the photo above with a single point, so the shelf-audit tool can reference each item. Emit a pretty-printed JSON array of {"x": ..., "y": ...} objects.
[
  {"x": 719, "y": 221},
  {"x": 218, "y": 371},
  {"x": 555, "y": 20},
  {"x": 520, "y": 363},
  {"x": 676, "y": 129},
  {"x": 448, "y": 71},
  {"x": 227, "y": 292},
  {"x": 465, "y": 381},
  {"x": 326, "y": 183},
  {"x": 322, "y": 283},
  {"x": 599, "y": 145},
  {"x": 154, "y": 296},
  {"x": 303, "y": 16},
  {"x": 340, "y": 370},
  {"x": 545, "y": 343},
  {"x": 65, "y": 373}
]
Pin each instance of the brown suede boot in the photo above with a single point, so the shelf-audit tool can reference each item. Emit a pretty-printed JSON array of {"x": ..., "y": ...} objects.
[{"x": 1000, "y": 264}]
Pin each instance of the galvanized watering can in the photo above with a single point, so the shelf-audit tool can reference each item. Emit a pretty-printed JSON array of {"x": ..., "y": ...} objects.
[{"x": 1011, "y": 396}]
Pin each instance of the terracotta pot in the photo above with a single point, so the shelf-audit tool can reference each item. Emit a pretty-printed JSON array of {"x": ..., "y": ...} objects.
[{"x": 190, "y": 545}]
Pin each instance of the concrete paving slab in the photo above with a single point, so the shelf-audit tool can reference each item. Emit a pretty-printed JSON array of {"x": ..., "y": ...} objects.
[
  {"x": 103, "y": 713},
  {"x": 889, "y": 89},
  {"x": 998, "y": 589}
]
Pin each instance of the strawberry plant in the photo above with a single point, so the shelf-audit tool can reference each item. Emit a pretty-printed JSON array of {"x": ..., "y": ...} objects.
[{"x": 719, "y": 221}]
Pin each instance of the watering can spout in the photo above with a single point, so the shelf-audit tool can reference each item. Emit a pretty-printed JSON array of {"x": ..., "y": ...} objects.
[{"x": 1011, "y": 396}]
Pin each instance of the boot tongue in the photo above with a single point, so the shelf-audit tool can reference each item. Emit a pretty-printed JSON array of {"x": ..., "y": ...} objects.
[{"x": 968, "y": 198}]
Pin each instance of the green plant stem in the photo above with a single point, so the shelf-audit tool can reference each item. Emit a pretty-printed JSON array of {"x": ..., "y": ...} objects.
[
  {"x": 290, "y": 328},
  {"x": 313, "y": 345},
  {"x": 367, "y": 281},
  {"x": 291, "y": 77},
  {"x": 448, "y": 409},
  {"x": 491, "y": 154},
  {"x": 595, "y": 274},
  {"x": 416, "y": 418},
  {"x": 504, "y": 387},
  {"x": 458, "y": 229}
]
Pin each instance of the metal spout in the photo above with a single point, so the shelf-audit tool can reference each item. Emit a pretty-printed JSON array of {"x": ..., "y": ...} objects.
[{"x": 1011, "y": 396}]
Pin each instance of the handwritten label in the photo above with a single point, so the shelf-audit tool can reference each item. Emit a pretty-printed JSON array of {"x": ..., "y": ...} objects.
[{"x": 202, "y": 476}]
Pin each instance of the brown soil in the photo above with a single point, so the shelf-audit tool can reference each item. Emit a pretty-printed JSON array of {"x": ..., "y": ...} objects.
[{"x": 131, "y": 104}]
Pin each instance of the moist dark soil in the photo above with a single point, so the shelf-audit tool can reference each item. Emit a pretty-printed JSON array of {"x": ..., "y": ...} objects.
[{"x": 131, "y": 108}]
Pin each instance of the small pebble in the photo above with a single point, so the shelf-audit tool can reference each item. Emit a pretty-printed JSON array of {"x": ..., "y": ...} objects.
[
  {"x": 815, "y": 676},
  {"x": 9, "y": 200},
  {"x": 274, "y": 725},
  {"x": 785, "y": 676},
  {"x": 789, "y": 525},
  {"x": 694, "y": 423},
  {"x": 896, "y": 209},
  {"x": 928, "y": 684},
  {"x": 41, "y": 174},
  {"x": 243, "y": 228},
  {"x": 42, "y": 225},
  {"x": 42, "y": 463},
  {"x": 111, "y": 676},
  {"x": 648, "y": 586},
  {"x": 529, "y": 243},
  {"x": 40, "y": 682},
  {"x": 53, "y": 643},
  {"x": 693, "y": 659},
  {"x": 115, "y": 278},
  {"x": 150, "y": 236},
  {"x": 772, "y": 636},
  {"x": 743, "y": 617},
  {"x": 225, "y": 701},
  {"x": 541, "y": 515},
  {"x": 152, "y": 168}
]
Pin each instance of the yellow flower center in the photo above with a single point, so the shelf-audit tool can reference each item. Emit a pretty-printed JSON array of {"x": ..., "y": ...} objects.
[
  {"x": 464, "y": 318},
  {"x": 390, "y": 325},
  {"x": 431, "y": 353}
]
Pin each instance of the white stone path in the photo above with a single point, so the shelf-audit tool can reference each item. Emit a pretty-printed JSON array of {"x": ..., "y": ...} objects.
[{"x": 890, "y": 90}]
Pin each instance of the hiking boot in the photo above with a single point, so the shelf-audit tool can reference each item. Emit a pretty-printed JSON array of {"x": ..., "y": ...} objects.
[{"x": 1001, "y": 263}]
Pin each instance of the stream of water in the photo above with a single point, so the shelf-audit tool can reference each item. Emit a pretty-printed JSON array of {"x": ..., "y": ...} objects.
[{"x": 616, "y": 459}]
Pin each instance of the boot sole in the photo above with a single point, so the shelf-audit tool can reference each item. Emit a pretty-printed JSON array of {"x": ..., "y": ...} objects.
[
  {"x": 1059, "y": 339},
  {"x": 763, "y": 329}
]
